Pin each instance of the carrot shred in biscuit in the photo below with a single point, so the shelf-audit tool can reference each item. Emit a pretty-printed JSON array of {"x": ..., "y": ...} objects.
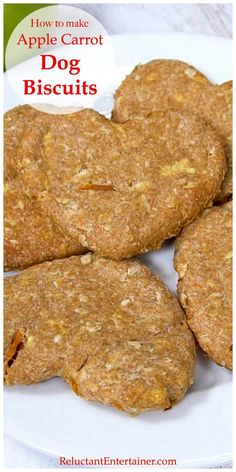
[
  {"x": 14, "y": 348},
  {"x": 106, "y": 188}
]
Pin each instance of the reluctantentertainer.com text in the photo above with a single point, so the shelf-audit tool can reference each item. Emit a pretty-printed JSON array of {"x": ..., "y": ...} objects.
[{"x": 109, "y": 461}]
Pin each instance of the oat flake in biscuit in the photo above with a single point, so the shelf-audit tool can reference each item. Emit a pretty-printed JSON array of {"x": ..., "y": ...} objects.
[
  {"x": 30, "y": 237},
  {"x": 111, "y": 329},
  {"x": 171, "y": 83},
  {"x": 124, "y": 189},
  {"x": 203, "y": 260}
]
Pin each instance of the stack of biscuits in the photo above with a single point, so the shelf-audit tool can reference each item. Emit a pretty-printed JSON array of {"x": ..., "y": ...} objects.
[{"x": 83, "y": 196}]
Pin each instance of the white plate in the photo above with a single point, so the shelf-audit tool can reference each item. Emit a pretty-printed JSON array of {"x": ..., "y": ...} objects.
[{"x": 197, "y": 431}]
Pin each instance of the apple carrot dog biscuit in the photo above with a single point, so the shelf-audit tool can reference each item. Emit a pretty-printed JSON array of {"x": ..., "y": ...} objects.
[
  {"x": 111, "y": 329},
  {"x": 175, "y": 84},
  {"x": 203, "y": 262},
  {"x": 124, "y": 189},
  {"x": 30, "y": 236}
]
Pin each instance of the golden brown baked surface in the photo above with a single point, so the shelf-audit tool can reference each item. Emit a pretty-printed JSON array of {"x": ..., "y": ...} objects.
[
  {"x": 30, "y": 236},
  {"x": 111, "y": 329},
  {"x": 203, "y": 260},
  {"x": 175, "y": 84},
  {"x": 124, "y": 189},
  {"x": 15, "y": 121}
]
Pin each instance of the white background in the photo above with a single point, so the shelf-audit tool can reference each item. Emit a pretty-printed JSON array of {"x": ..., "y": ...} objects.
[{"x": 212, "y": 19}]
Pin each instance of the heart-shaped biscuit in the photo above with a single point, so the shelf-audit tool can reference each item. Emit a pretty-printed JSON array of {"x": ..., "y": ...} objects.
[
  {"x": 111, "y": 329},
  {"x": 124, "y": 189},
  {"x": 170, "y": 83}
]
